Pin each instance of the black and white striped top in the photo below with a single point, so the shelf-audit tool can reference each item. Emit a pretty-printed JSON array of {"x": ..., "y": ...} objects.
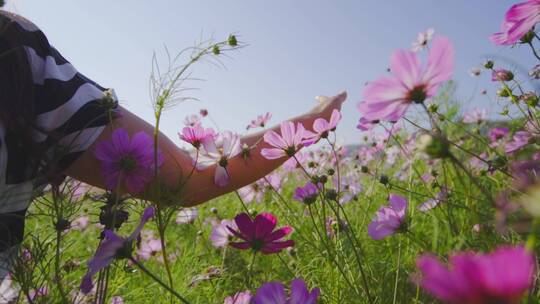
[{"x": 66, "y": 104}]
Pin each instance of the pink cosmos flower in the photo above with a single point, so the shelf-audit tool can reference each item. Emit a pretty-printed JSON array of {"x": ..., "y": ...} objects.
[
  {"x": 187, "y": 216},
  {"x": 218, "y": 151},
  {"x": 422, "y": 40},
  {"x": 519, "y": 20},
  {"x": 8, "y": 291},
  {"x": 307, "y": 194},
  {"x": 322, "y": 127},
  {"x": 37, "y": 293},
  {"x": 110, "y": 248},
  {"x": 195, "y": 135},
  {"x": 261, "y": 121},
  {"x": 274, "y": 293},
  {"x": 192, "y": 120},
  {"x": 258, "y": 234},
  {"x": 502, "y": 276},
  {"x": 389, "y": 220},
  {"x": 497, "y": 133},
  {"x": 126, "y": 161},
  {"x": 477, "y": 115},
  {"x": 300, "y": 158},
  {"x": 288, "y": 143},
  {"x": 434, "y": 202},
  {"x": 388, "y": 98},
  {"x": 253, "y": 192},
  {"x": 117, "y": 300},
  {"x": 365, "y": 124},
  {"x": 80, "y": 223},
  {"x": 519, "y": 140},
  {"x": 221, "y": 235},
  {"x": 149, "y": 246},
  {"x": 243, "y": 297}
]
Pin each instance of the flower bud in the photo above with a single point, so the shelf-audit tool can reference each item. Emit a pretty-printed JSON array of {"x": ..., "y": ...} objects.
[
  {"x": 502, "y": 75},
  {"x": 433, "y": 108},
  {"x": 62, "y": 225},
  {"x": 364, "y": 169},
  {"x": 530, "y": 99},
  {"x": 216, "y": 50},
  {"x": 232, "y": 40},
  {"x": 488, "y": 64},
  {"x": 332, "y": 194},
  {"x": 435, "y": 146},
  {"x": 384, "y": 179},
  {"x": 528, "y": 37},
  {"x": 503, "y": 93},
  {"x": 331, "y": 172}
]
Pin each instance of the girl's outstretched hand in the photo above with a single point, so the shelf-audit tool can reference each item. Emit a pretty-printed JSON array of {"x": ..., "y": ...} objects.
[{"x": 325, "y": 105}]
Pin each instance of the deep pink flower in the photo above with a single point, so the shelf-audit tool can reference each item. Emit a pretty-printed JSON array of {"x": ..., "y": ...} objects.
[
  {"x": 258, "y": 234},
  {"x": 519, "y": 20},
  {"x": 218, "y": 151},
  {"x": 288, "y": 143},
  {"x": 243, "y": 297},
  {"x": 110, "y": 248},
  {"x": 274, "y": 293},
  {"x": 260, "y": 121},
  {"x": 322, "y": 127},
  {"x": 388, "y": 220},
  {"x": 497, "y": 133},
  {"x": 519, "y": 140},
  {"x": 502, "y": 276},
  {"x": 195, "y": 135},
  {"x": 128, "y": 162},
  {"x": 388, "y": 98}
]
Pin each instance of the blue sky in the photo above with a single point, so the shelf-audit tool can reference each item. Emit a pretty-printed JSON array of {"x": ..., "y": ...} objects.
[{"x": 297, "y": 49}]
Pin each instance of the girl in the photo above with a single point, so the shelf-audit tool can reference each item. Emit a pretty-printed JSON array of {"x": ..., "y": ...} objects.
[{"x": 52, "y": 117}]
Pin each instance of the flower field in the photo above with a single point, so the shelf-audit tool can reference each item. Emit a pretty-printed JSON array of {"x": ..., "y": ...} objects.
[{"x": 429, "y": 206}]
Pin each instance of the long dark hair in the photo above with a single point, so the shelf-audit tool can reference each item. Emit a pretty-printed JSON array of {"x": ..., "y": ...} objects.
[{"x": 16, "y": 86}]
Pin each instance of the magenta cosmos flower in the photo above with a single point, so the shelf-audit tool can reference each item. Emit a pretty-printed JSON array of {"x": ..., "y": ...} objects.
[
  {"x": 502, "y": 276},
  {"x": 388, "y": 98},
  {"x": 112, "y": 246},
  {"x": 218, "y": 151},
  {"x": 259, "y": 234},
  {"x": 288, "y": 143},
  {"x": 274, "y": 293},
  {"x": 389, "y": 219},
  {"x": 128, "y": 162},
  {"x": 260, "y": 121},
  {"x": 519, "y": 19},
  {"x": 195, "y": 135}
]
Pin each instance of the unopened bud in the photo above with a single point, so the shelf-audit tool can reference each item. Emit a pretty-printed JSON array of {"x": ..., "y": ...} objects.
[{"x": 435, "y": 146}]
